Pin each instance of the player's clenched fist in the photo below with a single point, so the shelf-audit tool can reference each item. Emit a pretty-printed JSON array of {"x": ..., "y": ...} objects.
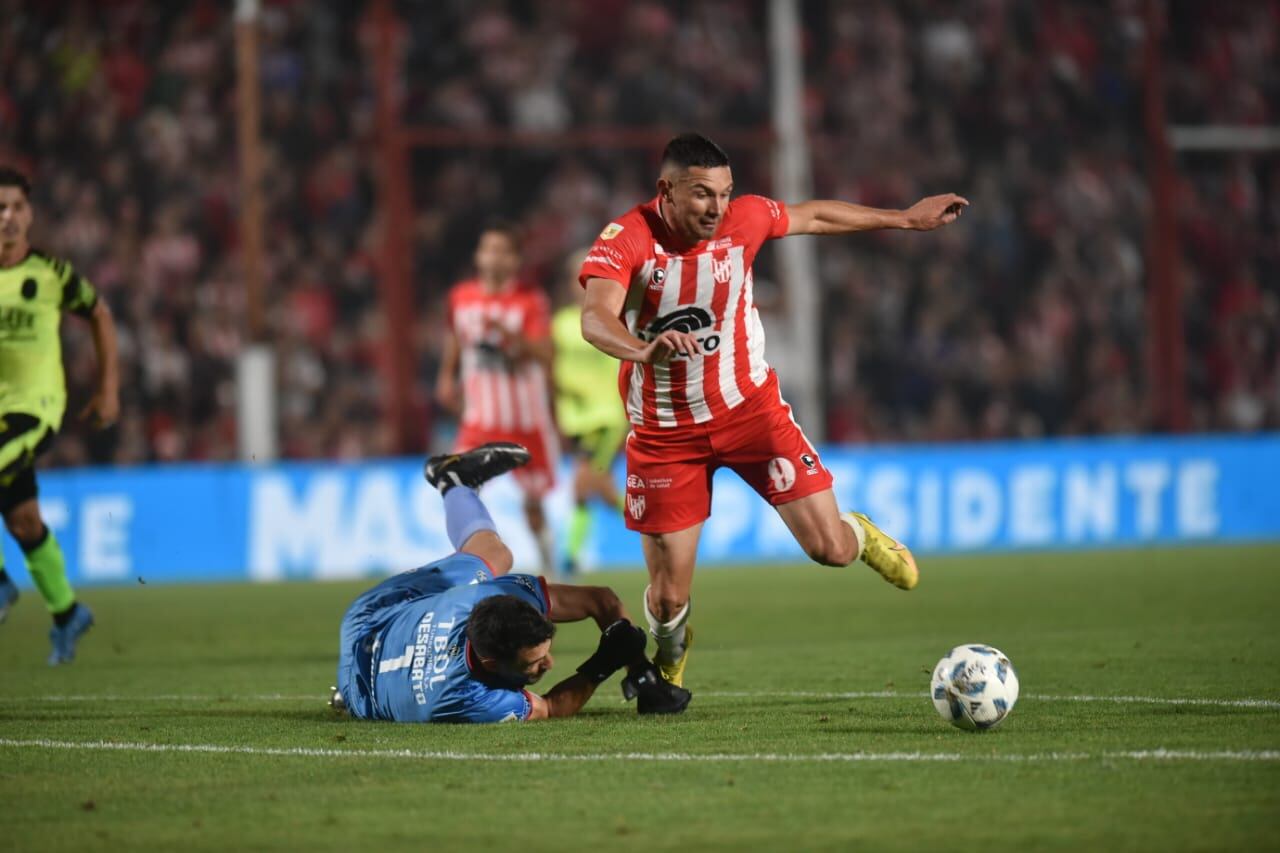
[{"x": 668, "y": 345}]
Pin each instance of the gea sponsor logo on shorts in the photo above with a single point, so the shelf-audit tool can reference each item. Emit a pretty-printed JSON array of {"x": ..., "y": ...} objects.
[{"x": 637, "y": 483}]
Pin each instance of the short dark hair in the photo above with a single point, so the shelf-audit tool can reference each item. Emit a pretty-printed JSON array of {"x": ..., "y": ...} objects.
[
  {"x": 11, "y": 177},
  {"x": 502, "y": 625},
  {"x": 506, "y": 228},
  {"x": 694, "y": 150}
]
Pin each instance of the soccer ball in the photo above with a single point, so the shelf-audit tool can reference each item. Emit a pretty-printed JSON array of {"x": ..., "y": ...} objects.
[{"x": 974, "y": 687}]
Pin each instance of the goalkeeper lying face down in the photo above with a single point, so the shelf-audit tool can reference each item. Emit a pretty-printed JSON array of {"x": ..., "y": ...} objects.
[{"x": 461, "y": 640}]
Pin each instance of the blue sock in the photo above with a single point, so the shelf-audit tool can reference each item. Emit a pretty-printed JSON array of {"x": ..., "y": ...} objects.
[{"x": 464, "y": 515}]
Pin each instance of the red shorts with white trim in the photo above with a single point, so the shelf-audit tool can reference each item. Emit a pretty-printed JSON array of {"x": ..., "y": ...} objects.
[
  {"x": 669, "y": 470},
  {"x": 538, "y": 476}
]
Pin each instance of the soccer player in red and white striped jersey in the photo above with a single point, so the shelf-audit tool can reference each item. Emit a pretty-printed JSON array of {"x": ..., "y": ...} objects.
[
  {"x": 495, "y": 366},
  {"x": 669, "y": 292}
]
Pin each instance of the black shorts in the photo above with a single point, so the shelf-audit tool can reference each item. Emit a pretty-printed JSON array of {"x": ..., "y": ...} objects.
[{"x": 23, "y": 437}]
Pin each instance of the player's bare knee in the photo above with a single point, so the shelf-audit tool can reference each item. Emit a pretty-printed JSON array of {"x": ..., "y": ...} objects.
[
  {"x": 830, "y": 549},
  {"x": 25, "y": 525},
  {"x": 500, "y": 560},
  {"x": 489, "y": 547},
  {"x": 666, "y": 605},
  {"x": 581, "y": 483}
]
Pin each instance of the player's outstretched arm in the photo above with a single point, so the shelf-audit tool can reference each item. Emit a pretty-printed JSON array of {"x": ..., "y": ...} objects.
[
  {"x": 602, "y": 328},
  {"x": 840, "y": 217},
  {"x": 563, "y": 700},
  {"x": 570, "y": 603},
  {"x": 104, "y": 407},
  {"x": 621, "y": 644}
]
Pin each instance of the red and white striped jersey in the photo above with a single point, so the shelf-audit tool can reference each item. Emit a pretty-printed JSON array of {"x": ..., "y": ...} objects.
[
  {"x": 498, "y": 392},
  {"x": 706, "y": 290}
]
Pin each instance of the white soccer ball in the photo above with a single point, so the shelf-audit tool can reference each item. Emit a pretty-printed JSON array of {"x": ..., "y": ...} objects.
[{"x": 974, "y": 687}]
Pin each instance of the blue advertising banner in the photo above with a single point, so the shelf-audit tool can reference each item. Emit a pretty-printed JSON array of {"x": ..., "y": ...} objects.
[{"x": 330, "y": 520}]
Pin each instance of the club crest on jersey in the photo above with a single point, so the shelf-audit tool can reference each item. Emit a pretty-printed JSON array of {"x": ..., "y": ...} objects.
[
  {"x": 722, "y": 270},
  {"x": 635, "y": 506},
  {"x": 782, "y": 474},
  {"x": 610, "y": 231}
]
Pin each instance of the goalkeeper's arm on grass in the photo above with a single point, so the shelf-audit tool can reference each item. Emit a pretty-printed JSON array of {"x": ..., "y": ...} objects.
[{"x": 621, "y": 646}]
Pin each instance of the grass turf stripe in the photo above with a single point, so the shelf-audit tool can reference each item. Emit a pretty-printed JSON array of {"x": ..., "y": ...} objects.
[
  {"x": 525, "y": 757},
  {"x": 712, "y": 694},
  {"x": 1035, "y": 697}
]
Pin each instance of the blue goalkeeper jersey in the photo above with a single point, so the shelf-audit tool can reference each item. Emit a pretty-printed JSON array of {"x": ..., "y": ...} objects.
[{"x": 406, "y": 649}]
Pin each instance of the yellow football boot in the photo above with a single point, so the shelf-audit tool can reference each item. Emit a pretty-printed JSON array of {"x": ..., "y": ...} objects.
[
  {"x": 885, "y": 554},
  {"x": 674, "y": 672}
]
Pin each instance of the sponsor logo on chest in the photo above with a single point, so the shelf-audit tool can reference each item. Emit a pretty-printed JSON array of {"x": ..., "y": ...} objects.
[{"x": 16, "y": 320}]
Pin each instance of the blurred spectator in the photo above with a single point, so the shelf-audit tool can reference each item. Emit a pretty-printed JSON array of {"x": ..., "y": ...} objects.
[{"x": 1027, "y": 319}]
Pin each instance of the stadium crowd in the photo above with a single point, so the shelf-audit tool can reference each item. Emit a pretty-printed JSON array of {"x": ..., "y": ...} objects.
[{"x": 1028, "y": 319}]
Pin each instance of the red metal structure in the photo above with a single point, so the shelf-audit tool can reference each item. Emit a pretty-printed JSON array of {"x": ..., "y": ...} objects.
[
  {"x": 396, "y": 205},
  {"x": 1166, "y": 351}
]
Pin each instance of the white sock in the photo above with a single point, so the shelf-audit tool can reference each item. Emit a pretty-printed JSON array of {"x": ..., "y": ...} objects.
[
  {"x": 668, "y": 635},
  {"x": 848, "y": 518}
]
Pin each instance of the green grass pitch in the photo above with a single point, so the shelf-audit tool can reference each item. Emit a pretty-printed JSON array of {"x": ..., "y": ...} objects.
[{"x": 194, "y": 719}]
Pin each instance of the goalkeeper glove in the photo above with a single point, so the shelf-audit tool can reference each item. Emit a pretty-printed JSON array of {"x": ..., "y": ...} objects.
[{"x": 620, "y": 645}]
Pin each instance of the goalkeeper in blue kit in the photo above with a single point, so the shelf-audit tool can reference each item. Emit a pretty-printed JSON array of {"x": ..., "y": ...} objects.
[{"x": 461, "y": 640}]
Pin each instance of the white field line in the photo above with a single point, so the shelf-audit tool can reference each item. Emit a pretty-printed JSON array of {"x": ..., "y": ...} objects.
[
  {"x": 1037, "y": 697},
  {"x": 760, "y": 757},
  {"x": 168, "y": 697},
  {"x": 714, "y": 694}
]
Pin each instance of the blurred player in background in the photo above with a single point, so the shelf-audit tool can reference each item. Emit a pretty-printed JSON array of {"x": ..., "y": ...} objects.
[
  {"x": 459, "y": 640},
  {"x": 35, "y": 290},
  {"x": 494, "y": 370},
  {"x": 669, "y": 291},
  {"x": 588, "y": 413}
]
